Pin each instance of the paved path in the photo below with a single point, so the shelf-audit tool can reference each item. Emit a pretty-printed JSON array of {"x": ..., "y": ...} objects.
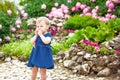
[{"x": 16, "y": 70}]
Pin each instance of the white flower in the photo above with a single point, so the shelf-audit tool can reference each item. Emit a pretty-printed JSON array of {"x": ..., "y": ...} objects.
[{"x": 43, "y": 6}]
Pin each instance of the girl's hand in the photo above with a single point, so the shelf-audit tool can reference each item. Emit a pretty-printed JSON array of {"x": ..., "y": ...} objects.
[
  {"x": 39, "y": 32},
  {"x": 36, "y": 31}
]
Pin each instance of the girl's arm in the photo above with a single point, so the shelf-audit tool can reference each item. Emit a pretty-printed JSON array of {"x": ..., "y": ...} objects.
[{"x": 45, "y": 40}]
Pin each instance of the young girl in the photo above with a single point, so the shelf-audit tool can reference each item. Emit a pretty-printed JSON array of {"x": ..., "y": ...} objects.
[{"x": 41, "y": 55}]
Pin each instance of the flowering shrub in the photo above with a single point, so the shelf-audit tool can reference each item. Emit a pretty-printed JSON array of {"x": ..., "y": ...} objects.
[
  {"x": 5, "y": 22},
  {"x": 95, "y": 47}
]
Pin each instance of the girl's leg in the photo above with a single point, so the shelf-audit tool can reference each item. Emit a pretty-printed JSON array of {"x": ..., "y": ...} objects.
[
  {"x": 43, "y": 73},
  {"x": 34, "y": 72}
]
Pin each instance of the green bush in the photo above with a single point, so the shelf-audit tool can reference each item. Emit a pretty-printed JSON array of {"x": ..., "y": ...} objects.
[
  {"x": 115, "y": 24},
  {"x": 5, "y": 21},
  {"x": 18, "y": 48},
  {"x": 7, "y": 5},
  {"x": 33, "y": 8},
  {"x": 78, "y": 22}
]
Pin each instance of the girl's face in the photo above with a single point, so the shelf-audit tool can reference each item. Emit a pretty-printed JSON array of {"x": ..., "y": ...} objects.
[{"x": 42, "y": 26}]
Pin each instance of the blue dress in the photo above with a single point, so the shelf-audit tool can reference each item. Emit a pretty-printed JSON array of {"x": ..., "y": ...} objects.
[{"x": 41, "y": 55}]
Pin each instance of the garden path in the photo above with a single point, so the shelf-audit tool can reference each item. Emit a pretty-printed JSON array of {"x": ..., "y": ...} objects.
[{"x": 17, "y": 70}]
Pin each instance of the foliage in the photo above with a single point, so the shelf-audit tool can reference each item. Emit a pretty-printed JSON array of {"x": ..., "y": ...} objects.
[
  {"x": 18, "y": 48},
  {"x": 103, "y": 50},
  {"x": 114, "y": 24},
  {"x": 23, "y": 48},
  {"x": 5, "y": 21},
  {"x": 78, "y": 22},
  {"x": 33, "y": 8},
  {"x": 7, "y": 5},
  {"x": 25, "y": 28}
]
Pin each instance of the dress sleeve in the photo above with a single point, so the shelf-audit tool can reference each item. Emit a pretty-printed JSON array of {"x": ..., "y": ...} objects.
[{"x": 48, "y": 35}]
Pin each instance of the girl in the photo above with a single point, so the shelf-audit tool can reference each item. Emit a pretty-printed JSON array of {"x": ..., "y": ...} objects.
[{"x": 41, "y": 55}]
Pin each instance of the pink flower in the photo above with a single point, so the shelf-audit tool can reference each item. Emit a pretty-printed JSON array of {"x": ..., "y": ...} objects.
[
  {"x": 0, "y": 26},
  {"x": 86, "y": 10},
  {"x": 66, "y": 16},
  {"x": 7, "y": 38},
  {"x": 66, "y": 11},
  {"x": 18, "y": 21},
  {"x": 53, "y": 9},
  {"x": 97, "y": 49},
  {"x": 22, "y": 12},
  {"x": 56, "y": 4},
  {"x": 43, "y": 6},
  {"x": 69, "y": 1},
  {"x": 25, "y": 15},
  {"x": 97, "y": 8},
  {"x": 94, "y": 11},
  {"x": 108, "y": 15},
  {"x": 108, "y": 2},
  {"x": 73, "y": 9},
  {"x": 113, "y": 16},
  {"x": 78, "y": 4},
  {"x": 88, "y": 14},
  {"x": 83, "y": 6},
  {"x": 0, "y": 40},
  {"x": 12, "y": 29},
  {"x": 9, "y": 12},
  {"x": 111, "y": 6}
]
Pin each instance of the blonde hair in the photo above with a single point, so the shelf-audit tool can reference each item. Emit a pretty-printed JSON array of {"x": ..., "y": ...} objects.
[{"x": 43, "y": 19}]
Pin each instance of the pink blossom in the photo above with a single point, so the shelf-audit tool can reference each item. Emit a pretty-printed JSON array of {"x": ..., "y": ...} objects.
[
  {"x": 53, "y": 9},
  {"x": 86, "y": 10},
  {"x": 77, "y": 8},
  {"x": 18, "y": 21},
  {"x": 81, "y": 14},
  {"x": 0, "y": 26},
  {"x": 102, "y": 19},
  {"x": 94, "y": 11},
  {"x": 88, "y": 14},
  {"x": 97, "y": 49},
  {"x": 108, "y": 15},
  {"x": 66, "y": 16},
  {"x": 83, "y": 6},
  {"x": 9, "y": 12},
  {"x": 56, "y": 4},
  {"x": 108, "y": 2},
  {"x": 97, "y": 8},
  {"x": 64, "y": 7},
  {"x": 22, "y": 12},
  {"x": 43, "y": 6},
  {"x": 12, "y": 29},
  {"x": 69, "y": 1},
  {"x": 66, "y": 11},
  {"x": 78, "y": 4},
  {"x": 7, "y": 38},
  {"x": 73, "y": 9},
  {"x": 111, "y": 6},
  {"x": 0, "y": 40},
  {"x": 25, "y": 15},
  {"x": 113, "y": 16}
]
